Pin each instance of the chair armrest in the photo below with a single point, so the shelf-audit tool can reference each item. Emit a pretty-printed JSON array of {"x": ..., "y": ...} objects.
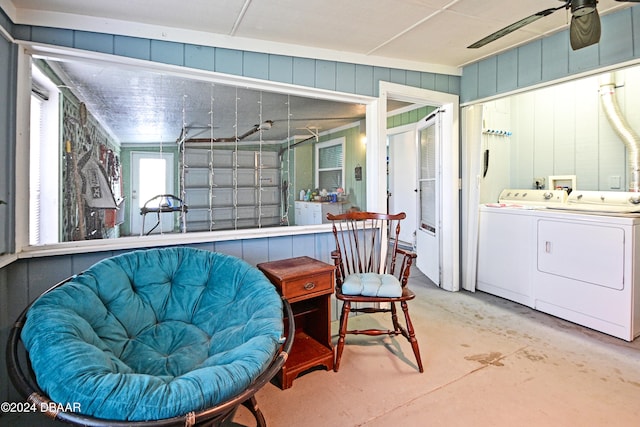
[
  {"x": 406, "y": 260},
  {"x": 406, "y": 253}
]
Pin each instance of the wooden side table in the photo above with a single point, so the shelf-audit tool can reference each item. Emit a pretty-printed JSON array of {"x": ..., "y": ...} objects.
[{"x": 307, "y": 284}]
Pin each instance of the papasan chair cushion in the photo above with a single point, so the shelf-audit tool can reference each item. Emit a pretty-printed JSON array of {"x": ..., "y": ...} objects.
[{"x": 154, "y": 334}]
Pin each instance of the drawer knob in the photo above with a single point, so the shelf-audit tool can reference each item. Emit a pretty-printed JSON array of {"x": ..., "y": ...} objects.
[{"x": 309, "y": 286}]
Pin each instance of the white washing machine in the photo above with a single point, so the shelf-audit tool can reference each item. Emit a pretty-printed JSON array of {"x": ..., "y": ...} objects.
[
  {"x": 507, "y": 245},
  {"x": 577, "y": 260}
]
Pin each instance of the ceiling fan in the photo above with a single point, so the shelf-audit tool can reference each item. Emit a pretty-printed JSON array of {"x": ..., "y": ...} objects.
[{"x": 584, "y": 29}]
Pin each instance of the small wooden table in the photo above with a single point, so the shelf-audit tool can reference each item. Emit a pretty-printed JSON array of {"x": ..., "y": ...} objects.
[{"x": 307, "y": 284}]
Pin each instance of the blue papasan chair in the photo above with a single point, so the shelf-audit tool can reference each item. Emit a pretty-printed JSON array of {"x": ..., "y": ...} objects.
[{"x": 171, "y": 336}]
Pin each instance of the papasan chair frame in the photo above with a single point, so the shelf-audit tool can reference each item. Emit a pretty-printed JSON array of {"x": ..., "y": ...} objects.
[{"x": 23, "y": 378}]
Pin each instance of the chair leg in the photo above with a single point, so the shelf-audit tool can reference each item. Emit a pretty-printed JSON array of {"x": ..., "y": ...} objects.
[
  {"x": 394, "y": 318},
  {"x": 412, "y": 336},
  {"x": 344, "y": 317},
  {"x": 252, "y": 405}
]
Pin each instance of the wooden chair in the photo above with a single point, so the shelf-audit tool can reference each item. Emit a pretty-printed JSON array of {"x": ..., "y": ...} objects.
[{"x": 372, "y": 271}]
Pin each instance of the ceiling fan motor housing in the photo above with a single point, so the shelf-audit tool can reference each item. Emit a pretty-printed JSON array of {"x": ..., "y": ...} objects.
[{"x": 583, "y": 7}]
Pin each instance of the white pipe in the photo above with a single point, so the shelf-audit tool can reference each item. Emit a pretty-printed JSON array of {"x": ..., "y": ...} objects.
[{"x": 622, "y": 128}]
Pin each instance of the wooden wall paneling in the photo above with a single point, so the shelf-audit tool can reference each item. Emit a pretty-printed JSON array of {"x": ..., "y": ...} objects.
[
  {"x": 5, "y": 322},
  {"x": 564, "y": 146},
  {"x": 281, "y": 68},
  {"x": 615, "y": 46},
  {"x": 303, "y": 245},
  {"x": 442, "y": 84},
  {"x": 132, "y": 47},
  {"x": 205, "y": 246},
  {"x": 199, "y": 57},
  {"x": 304, "y": 72},
  {"x": 530, "y": 64},
  {"x": 428, "y": 81},
  {"x": 364, "y": 80},
  {"x": 325, "y": 74},
  {"x": 507, "y": 71},
  {"x": 228, "y": 61},
  {"x": 345, "y": 77},
  {"x": 18, "y": 297},
  {"x": 635, "y": 28},
  {"x": 584, "y": 59},
  {"x": 281, "y": 247},
  {"x": 398, "y": 76},
  {"x": 586, "y": 135},
  {"x": 414, "y": 78},
  {"x": 555, "y": 56},
  {"x": 255, "y": 65},
  {"x": 522, "y": 140},
  {"x": 81, "y": 262},
  {"x": 167, "y": 52},
  {"x": 46, "y": 272},
  {"x": 544, "y": 121},
  {"x": 20, "y": 32},
  {"x": 255, "y": 251},
  {"x": 380, "y": 74},
  {"x": 96, "y": 42},
  {"x": 229, "y": 247},
  {"x": 324, "y": 243},
  {"x": 6, "y": 22},
  {"x": 56, "y": 36},
  {"x": 487, "y": 77},
  {"x": 454, "y": 84},
  {"x": 469, "y": 83}
]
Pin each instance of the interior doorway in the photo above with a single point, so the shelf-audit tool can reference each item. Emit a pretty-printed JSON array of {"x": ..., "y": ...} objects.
[
  {"x": 151, "y": 175},
  {"x": 447, "y": 183}
]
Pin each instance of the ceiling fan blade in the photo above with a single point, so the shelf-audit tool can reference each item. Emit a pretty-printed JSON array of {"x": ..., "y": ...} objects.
[
  {"x": 584, "y": 30},
  {"x": 515, "y": 26}
]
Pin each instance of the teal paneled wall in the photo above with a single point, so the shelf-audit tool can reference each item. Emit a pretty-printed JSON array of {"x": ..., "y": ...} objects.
[
  {"x": 321, "y": 74},
  {"x": 551, "y": 58}
]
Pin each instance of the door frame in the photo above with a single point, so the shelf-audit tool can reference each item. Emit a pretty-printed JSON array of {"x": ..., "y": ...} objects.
[
  {"x": 167, "y": 221},
  {"x": 450, "y": 197}
]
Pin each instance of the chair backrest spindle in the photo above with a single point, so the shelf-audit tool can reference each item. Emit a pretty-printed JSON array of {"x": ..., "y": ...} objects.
[{"x": 366, "y": 242}]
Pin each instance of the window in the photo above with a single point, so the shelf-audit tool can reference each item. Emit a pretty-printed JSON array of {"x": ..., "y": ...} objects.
[{"x": 330, "y": 165}]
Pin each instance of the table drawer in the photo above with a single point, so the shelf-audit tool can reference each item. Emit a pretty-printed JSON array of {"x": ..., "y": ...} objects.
[{"x": 308, "y": 286}]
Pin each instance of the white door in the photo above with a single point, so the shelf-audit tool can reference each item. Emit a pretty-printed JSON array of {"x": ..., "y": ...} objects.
[
  {"x": 151, "y": 175},
  {"x": 428, "y": 235},
  {"x": 403, "y": 181}
]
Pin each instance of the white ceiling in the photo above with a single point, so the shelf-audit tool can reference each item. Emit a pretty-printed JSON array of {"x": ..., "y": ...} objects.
[{"x": 421, "y": 34}]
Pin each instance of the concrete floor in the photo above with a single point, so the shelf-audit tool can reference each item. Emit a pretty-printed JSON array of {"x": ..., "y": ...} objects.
[{"x": 488, "y": 362}]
